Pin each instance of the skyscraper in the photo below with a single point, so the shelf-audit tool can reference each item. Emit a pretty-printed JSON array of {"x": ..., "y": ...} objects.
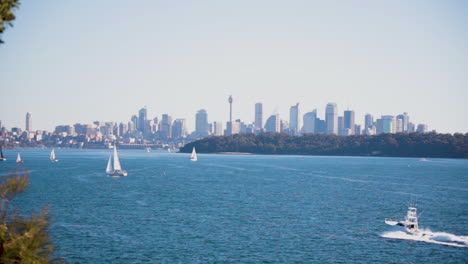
[
  {"x": 294, "y": 119},
  {"x": 309, "y": 122},
  {"x": 179, "y": 129},
  {"x": 368, "y": 121},
  {"x": 331, "y": 118},
  {"x": 273, "y": 124},
  {"x": 201, "y": 123},
  {"x": 134, "y": 126},
  {"x": 165, "y": 127},
  {"x": 258, "y": 116},
  {"x": 349, "y": 122},
  {"x": 142, "y": 119},
  {"x": 28, "y": 121},
  {"x": 341, "y": 126},
  {"x": 404, "y": 122},
  {"x": 217, "y": 128}
]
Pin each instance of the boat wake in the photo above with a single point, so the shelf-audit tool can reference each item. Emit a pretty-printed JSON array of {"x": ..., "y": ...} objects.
[{"x": 428, "y": 236}]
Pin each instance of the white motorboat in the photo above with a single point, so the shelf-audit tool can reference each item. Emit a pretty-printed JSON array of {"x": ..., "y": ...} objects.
[
  {"x": 411, "y": 222},
  {"x": 2, "y": 157}
]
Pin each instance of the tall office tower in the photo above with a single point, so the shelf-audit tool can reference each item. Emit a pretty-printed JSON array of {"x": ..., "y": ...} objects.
[
  {"x": 134, "y": 121},
  {"x": 131, "y": 127},
  {"x": 123, "y": 129},
  {"x": 320, "y": 126},
  {"x": 410, "y": 127},
  {"x": 340, "y": 126},
  {"x": 230, "y": 108},
  {"x": 368, "y": 121},
  {"x": 148, "y": 131},
  {"x": 258, "y": 116},
  {"x": 309, "y": 122},
  {"x": 201, "y": 123},
  {"x": 386, "y": 125},
  {"x": 28, "y": 121},
  {"x": 398, "y": 125},
  {"x": 331, "y": 118},
  {"x": 142, "y": 119},
  {"x": 165, "y": 126},
  {"x": 294, "y": 120},
  {"x": 273, "y": 124},
  {"x": 349, "y": 122},
  {"x": 422, "y": 128},
  {"x": 357, "y": 130},
  {"x": 179, "y": 128},
  {"x": 217, "y": 128},
  {"x": 284, "y": 126},
  {"x": 404, "y": 122}
]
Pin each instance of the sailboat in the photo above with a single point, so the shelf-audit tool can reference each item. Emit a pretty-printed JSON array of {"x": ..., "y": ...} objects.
[
  {"x": 193, "y": 157},
  {"x": 113, "y": 166},
  {"x": 52, "y": 156},
  {"x": 2, "y": 157},
  {"x": 18, "y": 159}
]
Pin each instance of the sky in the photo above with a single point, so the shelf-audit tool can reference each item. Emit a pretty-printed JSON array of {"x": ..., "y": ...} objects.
[{"x": 68, "y": 62}]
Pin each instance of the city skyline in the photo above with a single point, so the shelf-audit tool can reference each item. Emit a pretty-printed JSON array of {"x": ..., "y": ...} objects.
[{"x": 176, "y": 60}]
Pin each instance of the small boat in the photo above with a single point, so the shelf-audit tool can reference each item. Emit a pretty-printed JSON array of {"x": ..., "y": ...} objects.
[
  {"x": 18, "y": 159},
  {"x": 410, "y": 223},
  {"x": 52, "y": 156},
  {"x": 113, "y": 166},
  {"x": 2, "y": 157},
  {"x": 423, "y": 159},
  {"x": 148, "y": 149},
  {"x": 193, "y": 157}
]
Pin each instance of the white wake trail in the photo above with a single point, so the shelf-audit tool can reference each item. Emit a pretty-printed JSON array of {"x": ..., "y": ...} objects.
[{"x": 428, "y": 236}]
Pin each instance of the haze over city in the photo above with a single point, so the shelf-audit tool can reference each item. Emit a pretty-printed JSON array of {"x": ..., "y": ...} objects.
[{"x": 69, "y": 63}]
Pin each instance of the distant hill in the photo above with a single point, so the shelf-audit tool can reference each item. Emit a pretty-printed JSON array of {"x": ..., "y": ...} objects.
[{"x": 429, "y": 145}]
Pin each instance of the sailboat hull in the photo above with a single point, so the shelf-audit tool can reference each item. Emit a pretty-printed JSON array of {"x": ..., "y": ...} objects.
[{"x": 117, "y": 173}]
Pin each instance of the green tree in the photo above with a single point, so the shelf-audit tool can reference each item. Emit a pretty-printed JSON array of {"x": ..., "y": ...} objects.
[
  {"x": 22, "y": 239},
  {"x": 6, "y": 14}
]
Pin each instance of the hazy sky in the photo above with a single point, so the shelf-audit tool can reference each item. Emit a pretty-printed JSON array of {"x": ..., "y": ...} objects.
[{"x": 68, "y": 62}]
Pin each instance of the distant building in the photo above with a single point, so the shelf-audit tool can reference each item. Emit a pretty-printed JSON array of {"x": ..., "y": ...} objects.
[
  {"x": 309, "y": 122},
  {"x": 258, "y": 116},
  {"x": 404, "y": 122},
  {"x": 28, "y": 122},
  {"x": 422, "y": 128},
  {"x": 411, "y": 128},
  {"x": 386, "y": 124},
  {"x": 357, "y": 130},
  {"x": 134, "y": 125},
  {"x": 341, "y": 126},
  {"x": 331, "y": 118},
  {"x": 349, "y": 122},
  {"x": 142, "y": 119},
  {"x": 294, "y": 120},
  {"x": 165, "y": 127},
  {"x": 179, "y": 128},
  {"x": 232, "y": 128},
  {"x": 123, "y": 129},
  {"x": 217, "y": 128},
  {"x": 201, "y": 123},
  {"x": 320, "y": 126},
  {"x": 398, "y": 125},
  {"x": 273, "y": 124},
  {"x": 368, "y": 121}
]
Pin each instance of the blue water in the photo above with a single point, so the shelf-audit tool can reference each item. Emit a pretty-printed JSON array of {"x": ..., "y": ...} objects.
[{"x": 245, "y": 209}]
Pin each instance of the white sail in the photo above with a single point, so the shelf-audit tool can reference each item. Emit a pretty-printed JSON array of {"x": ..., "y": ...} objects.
[
  {"x": 193, "y": 157},
  {"x": 52, "y": 155},
  {"x": 18, "y": 158},
  {"x": 117, "y": 166},
  {"x": 109, "y": 168}
]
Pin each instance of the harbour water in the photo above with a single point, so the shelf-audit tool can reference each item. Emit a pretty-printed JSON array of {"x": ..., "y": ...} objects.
[{"x": 245, "y": 208}]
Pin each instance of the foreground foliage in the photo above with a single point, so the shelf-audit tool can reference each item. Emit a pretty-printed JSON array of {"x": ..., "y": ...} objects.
[
  {"x": 432, "y": 145},
  {"x": 22, "y": 239},
  {"x": 6, "y": 14}
]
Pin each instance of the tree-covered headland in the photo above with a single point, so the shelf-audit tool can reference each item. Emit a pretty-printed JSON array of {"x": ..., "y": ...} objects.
[{"x": 431, "y": 145}]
